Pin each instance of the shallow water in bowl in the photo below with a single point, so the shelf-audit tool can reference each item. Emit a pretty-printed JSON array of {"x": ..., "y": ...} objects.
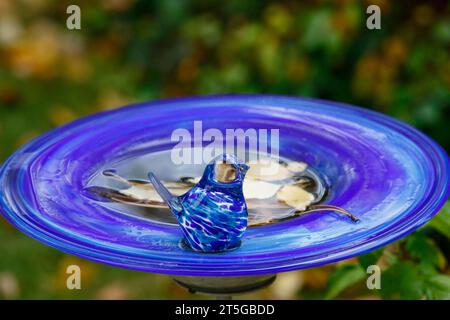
[{"x": 135, "y": 168}]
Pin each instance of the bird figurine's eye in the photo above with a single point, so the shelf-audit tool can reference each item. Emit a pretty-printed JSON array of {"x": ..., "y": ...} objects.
[
  {"x": 225, "y": 172},
  {"x": 244, "y": 168}
]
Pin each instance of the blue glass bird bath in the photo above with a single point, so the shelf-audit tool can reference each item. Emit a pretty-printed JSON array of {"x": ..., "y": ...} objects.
[{"x": 393, "y": 177}]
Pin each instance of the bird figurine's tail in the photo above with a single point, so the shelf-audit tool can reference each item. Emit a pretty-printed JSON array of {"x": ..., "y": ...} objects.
[{"x": 172, "y": 201}]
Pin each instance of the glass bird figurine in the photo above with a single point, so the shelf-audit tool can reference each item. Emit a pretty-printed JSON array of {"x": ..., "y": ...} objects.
[{"x": 213, "y": 213}]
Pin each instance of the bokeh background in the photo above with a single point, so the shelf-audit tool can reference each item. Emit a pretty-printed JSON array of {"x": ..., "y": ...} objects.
[{"x": 130, "y": 51}]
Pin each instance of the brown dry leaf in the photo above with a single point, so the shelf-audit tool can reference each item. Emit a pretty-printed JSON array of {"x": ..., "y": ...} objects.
[
  {"x": 113, "y": 291},
  {"x": 37, "y": 53},
  {"x": 9, "y": 286}
]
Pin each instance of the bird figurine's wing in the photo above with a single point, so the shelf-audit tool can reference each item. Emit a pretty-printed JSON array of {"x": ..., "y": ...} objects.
[{"x": 172, "y": 201}]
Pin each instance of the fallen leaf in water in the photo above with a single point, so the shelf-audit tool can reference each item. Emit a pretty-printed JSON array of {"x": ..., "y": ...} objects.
[
  {"x": 295, "y": 196},
  {"x": 148, "y": 192},
  {"x": 272, "y": 170},
  {"x": 269, "y": 197},
  {"x": 141, "y": 193},
  {"x": 268, "y": 170},
  {"x": 255, "y": 189},
  {"x": 296, "y": 167}
]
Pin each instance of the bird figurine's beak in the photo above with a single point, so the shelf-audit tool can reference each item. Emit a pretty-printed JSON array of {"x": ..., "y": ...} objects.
[{"x": 244, "y": 168}]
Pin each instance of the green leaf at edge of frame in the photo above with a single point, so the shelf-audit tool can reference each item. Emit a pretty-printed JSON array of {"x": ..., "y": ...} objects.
[{"x": 342, "y": 278}]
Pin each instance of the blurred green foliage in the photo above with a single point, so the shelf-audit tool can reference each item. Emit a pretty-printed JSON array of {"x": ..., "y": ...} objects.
[{"x": 129, "y": 51}]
